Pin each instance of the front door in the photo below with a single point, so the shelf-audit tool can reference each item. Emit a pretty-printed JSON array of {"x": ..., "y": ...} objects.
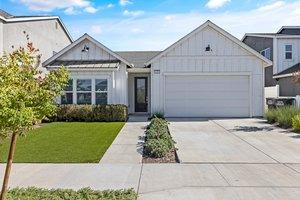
[{"x": 141, "y": 94}]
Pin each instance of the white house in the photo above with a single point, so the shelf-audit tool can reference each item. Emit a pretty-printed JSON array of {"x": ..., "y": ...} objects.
[
  {"x": 208, "y": 73},
  {"x": 47, "y": 33}
]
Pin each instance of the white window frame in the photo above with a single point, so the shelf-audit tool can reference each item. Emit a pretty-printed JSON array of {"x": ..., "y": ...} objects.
[
  {"x": 266, "y": 50},
  {"x": 68, "y": 92},
  {"x": 285, "y": 51},
  {"x": 101, "y": 92},
  {"x": 85, "y": 92},
  {"x": 93, "y": 89}
]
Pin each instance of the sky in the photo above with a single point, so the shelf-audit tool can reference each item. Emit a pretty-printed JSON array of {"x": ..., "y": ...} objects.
[{"x": 156, "y": 24}]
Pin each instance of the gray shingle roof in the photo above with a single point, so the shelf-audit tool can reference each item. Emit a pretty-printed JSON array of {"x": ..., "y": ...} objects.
[
  {"x": 138, "y": 58},
  {"x": 290, "y": 70}
]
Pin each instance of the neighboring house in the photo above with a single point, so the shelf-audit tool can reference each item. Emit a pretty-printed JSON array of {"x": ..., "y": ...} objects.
[
  {"x": 47, "y": 33},
  {"x": 283, "y": 48},
  {"x": 208, "y": 73}
]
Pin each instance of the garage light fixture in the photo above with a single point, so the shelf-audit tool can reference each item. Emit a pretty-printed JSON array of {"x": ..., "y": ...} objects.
[
  {"x": 85, "y": 48},
  {"x": 208, "y": 48}
]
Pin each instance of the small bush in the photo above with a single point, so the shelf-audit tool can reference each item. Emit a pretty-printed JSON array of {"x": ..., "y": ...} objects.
[
  {"x": 157, "y": 148},
  {"x": 296, "y": 123},
  {"x": 159, "y": 115},
  {"x": 33, "y": 193},
  {"x": 91, "y": 113},
  {"x": 271, "y": 115},
  {"x": 158, "y": 139},
  {"x": 282, "y": 115}
]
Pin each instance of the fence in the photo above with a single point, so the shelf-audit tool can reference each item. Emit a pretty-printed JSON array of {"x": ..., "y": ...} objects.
[
  {"x": 271, "y": 92},
  {"x": 297, "y": 101}
]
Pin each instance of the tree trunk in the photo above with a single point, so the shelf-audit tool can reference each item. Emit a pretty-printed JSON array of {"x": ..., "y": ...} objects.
[{"x": 8, "y": 165}]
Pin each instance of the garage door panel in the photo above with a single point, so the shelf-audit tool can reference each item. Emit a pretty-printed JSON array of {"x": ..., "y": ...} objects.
[{"x": 207, "y": 96}]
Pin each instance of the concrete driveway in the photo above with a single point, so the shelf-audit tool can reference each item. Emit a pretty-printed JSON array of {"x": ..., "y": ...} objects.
[
  {"x": 232, "y": 159},
  {"x": 233, "y": 141}
]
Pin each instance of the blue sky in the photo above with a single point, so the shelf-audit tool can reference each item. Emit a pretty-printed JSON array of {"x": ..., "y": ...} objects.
[{"x": 156, "y": 24}]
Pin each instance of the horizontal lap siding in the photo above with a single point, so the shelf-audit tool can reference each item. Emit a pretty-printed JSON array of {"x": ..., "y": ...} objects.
[{"x": 190, "y": 57}]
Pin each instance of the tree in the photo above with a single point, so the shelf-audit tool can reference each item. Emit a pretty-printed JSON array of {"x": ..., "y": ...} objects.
[{"x": 26, "y": 96}]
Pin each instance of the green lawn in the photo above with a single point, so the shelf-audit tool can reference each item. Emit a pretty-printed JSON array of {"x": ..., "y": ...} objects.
[{"x": 65, "y": 142}]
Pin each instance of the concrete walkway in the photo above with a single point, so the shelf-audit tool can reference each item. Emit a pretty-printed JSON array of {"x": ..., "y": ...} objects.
[
  {"x": 127, "y": 148},
  {"x": 239, "y": 159}
]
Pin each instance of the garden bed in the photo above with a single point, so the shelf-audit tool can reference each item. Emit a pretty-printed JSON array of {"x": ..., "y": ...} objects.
[
  {"x": 68, "y": 194},
  {"x": 159, "y": 145}
]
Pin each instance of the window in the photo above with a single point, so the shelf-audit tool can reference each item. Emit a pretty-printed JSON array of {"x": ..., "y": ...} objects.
[
  {"x": 67, "y": 97},
  {"x": 101, "y": 91},
  {"x": 266, "y": 53},
  {"x": 288, "y": 52},
  {"x": 84, "y": 91}
]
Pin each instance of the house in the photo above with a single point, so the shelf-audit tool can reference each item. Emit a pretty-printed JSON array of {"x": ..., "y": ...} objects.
[
  {"x": 47, "y": 33},
  {"x": 283, "y": 48},
  {"x": 208, "y": 73}
]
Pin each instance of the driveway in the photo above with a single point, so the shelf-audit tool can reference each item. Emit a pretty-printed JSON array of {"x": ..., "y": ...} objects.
[
  {"x": 233, "y": 141},
  {"x": 232, "y": 159}
]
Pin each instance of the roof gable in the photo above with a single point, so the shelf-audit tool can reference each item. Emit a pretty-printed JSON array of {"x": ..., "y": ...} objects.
[
  {"x": 96, "y": 51},
  {"x": 206, "y": 26}
]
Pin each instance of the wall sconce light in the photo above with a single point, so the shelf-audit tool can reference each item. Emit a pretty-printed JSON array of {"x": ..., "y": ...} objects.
[
  {"x": 85, "y": 48},
  {"x": 208, "y": 48}
]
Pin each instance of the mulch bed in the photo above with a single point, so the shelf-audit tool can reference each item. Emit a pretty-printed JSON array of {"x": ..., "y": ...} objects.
[{"x": 169, "y": 158}]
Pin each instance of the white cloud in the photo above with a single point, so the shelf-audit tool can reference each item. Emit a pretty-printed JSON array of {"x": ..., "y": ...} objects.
[
  {"x": 90, "y": 9},
  {"x": 69, "y": 6},
  {"x": 214, "y": 4},
  {"x": 110, "y": 5},
  {"x": 169, "y": 17},
  {"x": 272, "y": 6},
  {"x": 96, "y": 30},
  {"x": 125, "y": 2},
  {"x": 133, "y": 13},
  {"x": 137, "y": 30},
  {"x": 165, "y": 32},
  {"x": 70, "y": 11}
]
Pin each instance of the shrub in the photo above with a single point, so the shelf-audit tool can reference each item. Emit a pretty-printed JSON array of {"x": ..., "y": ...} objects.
[
  {"x": 91, "y": 113},
  {"x": 271, "y": 115},
  {"x": 33, "y": 193},
  {"x": 296, "y": 123},
  {"x": 285, "y": 116},
  {"x": 159, "y": 115},
  {"x": 282, "y": 115},
  {"x": 156, "y": 148},
  {"x": 158, "y": 139}
]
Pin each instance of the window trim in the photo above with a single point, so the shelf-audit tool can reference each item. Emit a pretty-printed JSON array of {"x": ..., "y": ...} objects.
[
  {"x": 93, "y": 91},
  {"x": 265, "y": 50},
  {"x": 285, "y": 52}
]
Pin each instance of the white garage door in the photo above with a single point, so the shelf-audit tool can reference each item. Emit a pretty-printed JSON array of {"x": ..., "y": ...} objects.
[{"x": 207, "y": 96}]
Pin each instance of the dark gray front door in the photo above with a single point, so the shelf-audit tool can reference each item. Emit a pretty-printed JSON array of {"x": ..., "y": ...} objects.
[{"x": 141, "y": 94}]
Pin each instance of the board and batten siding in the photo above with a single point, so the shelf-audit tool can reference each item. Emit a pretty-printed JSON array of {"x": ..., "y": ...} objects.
[
  {"x": 227, "y": 57},
  {"x": 117, "y": 78},
  {"x": 281, "y": 62}
]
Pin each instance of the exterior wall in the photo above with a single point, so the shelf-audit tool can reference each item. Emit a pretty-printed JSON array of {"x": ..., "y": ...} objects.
[
  {"x": 94, "y": 53},
  {"x": 226, "y": 57},
  {"x": 131, "y": 90},
  {"x": 47, "y": 35},
  {"x": 288, "y": 88},
  {"x": 281, "y": 62},
  {"x": 117, "y": 84},
  {"x": 259, "y": 43},
  {"x": 269, "y": 80},
  {"x": 1, "y": 37}
]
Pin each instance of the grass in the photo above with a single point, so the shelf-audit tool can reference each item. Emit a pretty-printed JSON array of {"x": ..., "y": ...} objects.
[
  {"x": 64, "y": 142},
  {"x": 65, "y": 194}
]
